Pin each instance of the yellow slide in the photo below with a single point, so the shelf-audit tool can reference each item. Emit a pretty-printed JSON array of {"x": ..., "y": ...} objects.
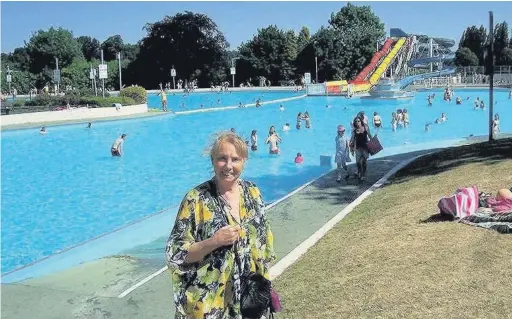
[{"x": 383, "y": 66}]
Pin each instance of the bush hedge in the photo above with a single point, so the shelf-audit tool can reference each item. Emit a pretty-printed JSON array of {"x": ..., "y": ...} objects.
[
  {"x": 135, "y": 92},
  {"x": 76, "y": 100}
]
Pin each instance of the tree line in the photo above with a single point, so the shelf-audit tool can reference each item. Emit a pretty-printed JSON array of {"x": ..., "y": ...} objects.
[
  {"x": 474, "y": 42},
  {"x": 193, "y": 45}
]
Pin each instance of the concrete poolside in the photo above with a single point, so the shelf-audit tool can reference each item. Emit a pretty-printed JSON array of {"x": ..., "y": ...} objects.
[{"x": 91, "y": 290}]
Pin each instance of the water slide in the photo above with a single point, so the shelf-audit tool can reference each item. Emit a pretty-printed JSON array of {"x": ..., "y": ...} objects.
[
  {"x": 383, "y": 66},
  {"x": 406, "y": 55},
  {"x": 427, "y": 60},
  {"x": 363, "y": 75},
  {"x": 378, "y": 65},
  {"x": 337, "y": 87},
  {"x": 410, "y": 79}
]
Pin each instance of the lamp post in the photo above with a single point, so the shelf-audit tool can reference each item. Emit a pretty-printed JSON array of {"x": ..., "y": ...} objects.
[
  {"x": 316, "y": 69},
  {"x": 233, "y": 69},
  {"x": 118, "y": 55},
  {"x": 490, "y": 66}
]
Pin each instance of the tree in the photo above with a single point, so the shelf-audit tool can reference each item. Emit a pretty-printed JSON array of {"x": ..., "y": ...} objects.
[
  {"x": 129, "y": 52},
  {"x": 271, "y": 54},
  {"x": 44, "y": 46},
  {"x": 303, "y": 38},
  {"x": 77, "y": 74},
  {"x": 22, "y": 80},
  {"x": 111, "y": 47},
  {"x": 501, "y": 41},
  {"x": 90, "y": 47},
  {"x": 474, "y": 39},
  {"x": 356, "y": 30},
  {"x": 506, "y": 56},
  {"x": 465, "y": 57},
  {"x": 191, "y": 42}
]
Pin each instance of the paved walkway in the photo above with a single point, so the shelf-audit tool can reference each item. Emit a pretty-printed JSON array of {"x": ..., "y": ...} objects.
[{"x": 90, "y": 290}]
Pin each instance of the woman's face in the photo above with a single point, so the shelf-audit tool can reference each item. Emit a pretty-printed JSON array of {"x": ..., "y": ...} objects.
[
  {"x": 272, "y": 129},
  {"x": 227, "y": 164},
  {"x": 357, "y": 122}
]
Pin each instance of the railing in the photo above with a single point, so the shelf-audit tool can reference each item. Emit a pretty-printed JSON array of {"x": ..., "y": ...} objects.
[{"x": 316, "y": 89}]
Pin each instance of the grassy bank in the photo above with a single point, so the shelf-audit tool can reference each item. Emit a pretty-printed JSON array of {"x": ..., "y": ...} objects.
[{"x": 383, "y": 261}]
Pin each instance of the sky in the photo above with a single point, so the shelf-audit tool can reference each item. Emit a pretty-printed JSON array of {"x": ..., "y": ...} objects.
[{"x": 239, "y": 21}]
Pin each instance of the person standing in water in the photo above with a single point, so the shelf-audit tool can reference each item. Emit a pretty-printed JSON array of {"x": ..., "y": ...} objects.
[
  {"x": 164, "y": 100},
  {"x": 377, "y": 120},
  {"x": 342, "y": 153},
  {"x": 307, "y": 119},
  {"x": 254, "y": 141},
  {"x": 117, "y": 147}
]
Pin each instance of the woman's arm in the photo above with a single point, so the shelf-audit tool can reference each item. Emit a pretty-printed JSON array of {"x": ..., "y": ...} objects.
[{"x": 182, "y": 247}]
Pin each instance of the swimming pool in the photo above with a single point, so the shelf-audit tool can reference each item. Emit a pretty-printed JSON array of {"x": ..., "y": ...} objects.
[{"x": 64, "y": 188}]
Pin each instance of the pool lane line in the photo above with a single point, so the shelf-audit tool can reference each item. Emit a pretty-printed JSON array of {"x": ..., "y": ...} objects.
[
  {"x": 223, "y": 108},
  {"x": 303, "y": 247}
]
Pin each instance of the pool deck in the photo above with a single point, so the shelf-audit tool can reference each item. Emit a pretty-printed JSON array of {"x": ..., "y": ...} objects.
[
  {"x": 91, "y": 290},
  {"x": 84, "y": 120}
]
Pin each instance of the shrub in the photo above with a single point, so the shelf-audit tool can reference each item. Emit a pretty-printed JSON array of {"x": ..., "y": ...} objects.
[
  {"x": 106, "y": 102},
  {"x": 137, "y": 93},
  {"x": 75, "y": 100}
]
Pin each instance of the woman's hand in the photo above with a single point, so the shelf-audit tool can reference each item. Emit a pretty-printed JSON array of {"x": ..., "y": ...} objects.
[{"x": 227, "y": 235}]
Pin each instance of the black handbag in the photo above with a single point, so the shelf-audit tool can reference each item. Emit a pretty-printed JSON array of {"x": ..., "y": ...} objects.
[{"x": 255, "y": 299}]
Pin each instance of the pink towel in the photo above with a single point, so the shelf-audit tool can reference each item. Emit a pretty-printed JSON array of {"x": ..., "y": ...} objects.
[{"x": 461, "y": 204}]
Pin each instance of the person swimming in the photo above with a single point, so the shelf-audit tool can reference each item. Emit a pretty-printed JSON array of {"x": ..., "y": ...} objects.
[
  {"x": 286, "y": 127},
  {"x": 43, "y": 130},
  {"x": 427, "y": 127},
  {"x": 299, "y": 159},
  {"x": 117, "y": 147},
  {"x": 458, "y": 100},
  {"x": 89, "y": 125},
  {"x": 281, "y": 108}
]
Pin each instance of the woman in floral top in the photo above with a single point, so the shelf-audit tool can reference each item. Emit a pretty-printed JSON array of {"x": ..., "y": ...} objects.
[{"x": 216, "y": 218}]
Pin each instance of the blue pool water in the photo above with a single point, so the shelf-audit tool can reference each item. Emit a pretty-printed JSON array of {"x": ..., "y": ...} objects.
[
  {"x": 64, "y": 188},
  {"x": 184, "y": 102}
]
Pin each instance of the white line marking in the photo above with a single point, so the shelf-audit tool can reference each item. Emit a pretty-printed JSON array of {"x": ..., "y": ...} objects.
[
  {"x": 142, "y": 282},
  {"x": 223, "y": 108},
  {"x": 300, "y": 250}
]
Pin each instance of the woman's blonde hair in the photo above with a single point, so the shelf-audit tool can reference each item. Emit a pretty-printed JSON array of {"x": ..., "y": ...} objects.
[{"x": 227, "y": 137}]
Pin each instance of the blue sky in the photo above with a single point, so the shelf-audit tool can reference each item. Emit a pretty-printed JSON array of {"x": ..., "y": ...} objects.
[{"x": 238, "y": 20}]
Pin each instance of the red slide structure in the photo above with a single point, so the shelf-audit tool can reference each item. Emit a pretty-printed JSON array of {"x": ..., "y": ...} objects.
[{"x": 361, "y": 77}]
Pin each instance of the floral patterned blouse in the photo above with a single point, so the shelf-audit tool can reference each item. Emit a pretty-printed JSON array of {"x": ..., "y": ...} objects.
[{"x": 211, "y": 288}]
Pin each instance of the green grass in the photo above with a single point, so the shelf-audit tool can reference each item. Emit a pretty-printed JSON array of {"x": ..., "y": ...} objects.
[{"x": 381, "y": 261}]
